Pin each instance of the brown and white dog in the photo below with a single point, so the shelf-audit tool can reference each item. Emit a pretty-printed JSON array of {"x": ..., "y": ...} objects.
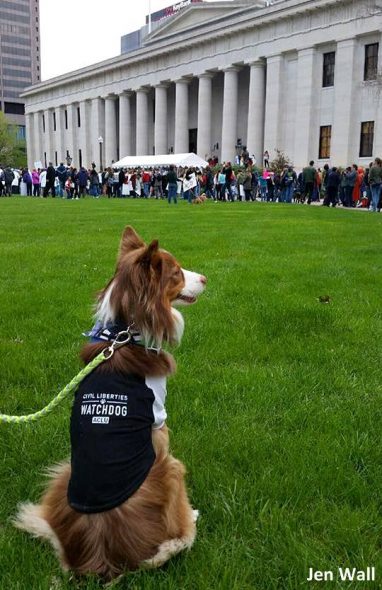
[{"x": 97, "y": 520}]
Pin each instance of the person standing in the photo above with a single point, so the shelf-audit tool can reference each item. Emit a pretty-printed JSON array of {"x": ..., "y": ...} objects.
[
  {"x": 157, "y": 184},
  {"x": 36, "y": 182},
  {"x": 358, "y": 184},
  {"x": 61, "y": 175},
  {"x": 228, "y": 172},
  {"x": 146, "y": 181},
  {"x": 247, "y": 184},
  {"x": 50, "y": 178},
  {"x": 82, "y": 181},
  {"x": 27, "y": 178},
  {"x": 333, "y": 181},
  {"x": 309, "y": 179},
  {"x": 209, "y": 183},
  {"x": 266, "y": 159},
  {"x": 94, "y": 183},
  {"x": 350, "y": 180},
  {"x": 375, "y": 181},
  {"x": 172, "y": 180},
  {"x": 290, "y": 179},
  {"x": 9, "y": 177}
]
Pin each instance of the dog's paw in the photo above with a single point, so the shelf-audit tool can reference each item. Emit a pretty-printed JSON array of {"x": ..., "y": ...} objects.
[{"x": 195, "y": 515}]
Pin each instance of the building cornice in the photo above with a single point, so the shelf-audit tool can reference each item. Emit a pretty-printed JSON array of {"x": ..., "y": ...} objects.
[{"x": 239, "y": 22}]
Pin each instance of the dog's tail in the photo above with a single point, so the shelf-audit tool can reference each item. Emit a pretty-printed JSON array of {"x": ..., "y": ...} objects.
[{"x": 30, "y": 518}]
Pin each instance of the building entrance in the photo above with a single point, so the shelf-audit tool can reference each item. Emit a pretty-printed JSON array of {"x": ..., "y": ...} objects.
[{"x": 193, "y": 140}]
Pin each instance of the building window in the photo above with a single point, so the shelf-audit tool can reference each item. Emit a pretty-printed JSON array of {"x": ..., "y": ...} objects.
[
  {"x": 325, "y": 142},
  {"x": 80, "y": 157},
  {"x": 20, "y": 133},
  {"x": 367, "y": 139},
  {"x": 43, "y": 122},
  {"x": 79, "y": 116},
  {"x": 54, "y": 122},
  {"x": 371, "y": 62},
  {"x": 14, "y": 108},
  {"x": 66, "y": 119},
  {"x": 328, "y": 69}
]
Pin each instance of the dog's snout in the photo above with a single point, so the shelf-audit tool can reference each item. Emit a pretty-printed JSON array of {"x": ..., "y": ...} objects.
[{"x": 203, "y": 279}]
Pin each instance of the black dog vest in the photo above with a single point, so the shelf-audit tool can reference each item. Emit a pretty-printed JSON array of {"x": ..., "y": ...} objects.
[{"x": 111, "y": 438}]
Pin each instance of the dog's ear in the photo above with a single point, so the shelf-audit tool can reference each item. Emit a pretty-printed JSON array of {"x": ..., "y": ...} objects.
[
  {"x": 130, "y": 240},
  {"x": 149, "y": 255}
]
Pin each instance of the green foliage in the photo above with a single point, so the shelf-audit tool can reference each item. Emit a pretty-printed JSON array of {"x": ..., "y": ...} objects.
[
  {"x": 19, "y": 156},
  {"x": 276, "y": 405},
  {"x": 12, "y": 150},
  {"x": 278, "y": 164}
]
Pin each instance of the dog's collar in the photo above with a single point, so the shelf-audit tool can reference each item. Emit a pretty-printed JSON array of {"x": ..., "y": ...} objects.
[{"x": 110, "y": 332}]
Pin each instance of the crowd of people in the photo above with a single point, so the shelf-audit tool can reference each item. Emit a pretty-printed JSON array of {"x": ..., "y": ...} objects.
[{"x": 350, "y": 187}]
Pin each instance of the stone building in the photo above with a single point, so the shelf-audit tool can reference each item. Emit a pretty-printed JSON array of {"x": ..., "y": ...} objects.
[
  {"x": 19, "y": 55},
  {"x": 302, "y": 76}
]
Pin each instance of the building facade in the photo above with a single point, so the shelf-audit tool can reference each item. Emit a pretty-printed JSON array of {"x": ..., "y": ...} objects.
[
  {"x": 19, "y": 55},
  {"x": 302, "y": 76}
]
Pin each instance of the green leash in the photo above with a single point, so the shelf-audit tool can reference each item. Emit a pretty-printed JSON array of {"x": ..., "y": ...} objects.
[{"x": 105, "y": 355}]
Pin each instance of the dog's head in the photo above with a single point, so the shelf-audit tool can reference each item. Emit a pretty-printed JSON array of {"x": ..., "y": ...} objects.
[{"x": 147, "y": 283}]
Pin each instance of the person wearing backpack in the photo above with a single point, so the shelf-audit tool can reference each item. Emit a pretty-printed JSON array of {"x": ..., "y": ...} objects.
[{"x": 62, "y": 176}]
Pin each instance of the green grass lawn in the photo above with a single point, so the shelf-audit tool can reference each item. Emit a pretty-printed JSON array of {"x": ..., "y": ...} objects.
[{"x": 276, "y": 408}]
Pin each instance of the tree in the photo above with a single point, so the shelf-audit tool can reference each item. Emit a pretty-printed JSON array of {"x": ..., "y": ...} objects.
[
  {"x": 7, "y": 141},
  {"x": 278, "y": 164},
  {"x": 12, "y": 149}
]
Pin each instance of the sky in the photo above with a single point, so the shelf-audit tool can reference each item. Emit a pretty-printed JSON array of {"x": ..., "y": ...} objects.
[{"x": 78, "y": 33}]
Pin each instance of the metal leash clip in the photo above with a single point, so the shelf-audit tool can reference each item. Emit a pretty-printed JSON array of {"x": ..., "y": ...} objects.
[{"x": 122, "y": 338}]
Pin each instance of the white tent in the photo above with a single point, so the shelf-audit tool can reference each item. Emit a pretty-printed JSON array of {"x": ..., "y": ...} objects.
[{"x": 157, "y": 161}]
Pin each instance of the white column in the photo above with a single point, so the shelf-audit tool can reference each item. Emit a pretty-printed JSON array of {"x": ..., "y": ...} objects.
[
  {"x": 160, "y": 133},
  {"x": 378, "y": 119},
  {"x": 83, "y": 133},
  {"x": 37, "y": 151},
  {"x": 304, "y": 130},
  {"x": 125, "y": 131},
  {"x": 60, "y": 126},
  {"x": 87, "y": 159},
  {"x": 110, "y": 143},
  {"x": 29, "y": 133},
  {"x": 97, "y": 129},
  {"x": 343, "y": 122},
  {"x": 142, "y": 142},
  {"x": 272, "y": 128},
  {"x": 48, "y": 115},
  {"x": 230, "y": 112},
  {"x": 181, "y": 145},
  {"x": 72, "y": 133},
  {"x": 256, "y": 110},
  {"x": 205, "y": 115}
]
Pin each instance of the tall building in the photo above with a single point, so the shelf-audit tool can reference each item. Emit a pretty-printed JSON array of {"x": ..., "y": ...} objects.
[
  {"x": 136, "y": 39},
  {"x": 19, "y": 56},
  {"x": 301, "y": 76}
]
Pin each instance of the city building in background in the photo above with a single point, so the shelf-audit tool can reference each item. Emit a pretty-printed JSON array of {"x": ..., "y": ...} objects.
[
  {"x": 19, "y": 56},
  {"x": 135, "y": 40},
  {"x": 300, "y": 76}
]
